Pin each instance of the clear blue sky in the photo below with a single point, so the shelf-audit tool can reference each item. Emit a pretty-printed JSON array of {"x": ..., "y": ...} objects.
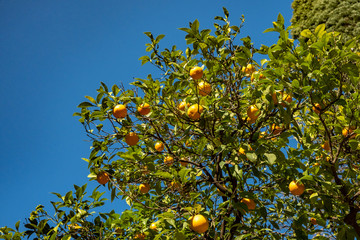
[{"x": 53, "y": 53}]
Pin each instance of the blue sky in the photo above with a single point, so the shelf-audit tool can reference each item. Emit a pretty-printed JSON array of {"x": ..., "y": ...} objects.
[{"x": 53, "y": 53}]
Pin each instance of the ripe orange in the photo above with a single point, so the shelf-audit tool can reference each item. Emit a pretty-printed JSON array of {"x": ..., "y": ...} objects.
[
  {"x": 194, "y": 111},
  {"x": 251, "y": 120},
  {"x": 260, "y": 76},
  {"x": 313, "y": 221},
  {"x": 183, "y": 163},
  {"x": 183, "y": 105},
  {"x": 196, "y": 73},
  {"x": 175, "y": 185},
  {"x": 204, "y": 88},
  {"x": 120, "y": 111},
  {"x": 159, "y": 146},
  {"x": 144, "y": 109},
  {"x": 326, "y": 146},
  {"x": 241, "y": 151},
  {"x": 316, "y": 108},
  {"x": 276, "y": 129},
  {"x": 199, "y": 223},
  {"x": 144, "y": 188},
  {"x": 253, "y": 112},
  {"x": 153, "y": 226},
  {"x": 348, "y": 130},
  {"x": 131, "y": 138},
  {"x": 103, "y": 178},
  {"x": 168, "y": 160},
  {"x": 286, "y": 98},
  {"x": 249, "y": 203},
  {"x": 140, "y": 236},
  {"x": 296, "y": 188},
  {"x": 249, "y": 69}
]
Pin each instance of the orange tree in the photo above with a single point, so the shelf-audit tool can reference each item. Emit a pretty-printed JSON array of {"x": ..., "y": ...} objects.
[{"x": 221, "y": 145}]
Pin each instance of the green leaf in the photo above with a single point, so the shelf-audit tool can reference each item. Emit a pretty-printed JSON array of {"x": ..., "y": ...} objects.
[
  {"x": 91, "y": 99},
  {"x": 271, "y": 158},
  {"x": 85, "y": 105},
  {"x": 164, "y": 175},
  {"x": 251, "y": 156}
]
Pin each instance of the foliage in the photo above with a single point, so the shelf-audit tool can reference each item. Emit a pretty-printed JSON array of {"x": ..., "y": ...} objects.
[
  {"x": 231, "y": 158},
  {"x": 337, "y": 15}
]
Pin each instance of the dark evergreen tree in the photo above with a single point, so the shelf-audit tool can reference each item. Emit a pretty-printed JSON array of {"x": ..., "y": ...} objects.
[{"x": 338, "y": 15}]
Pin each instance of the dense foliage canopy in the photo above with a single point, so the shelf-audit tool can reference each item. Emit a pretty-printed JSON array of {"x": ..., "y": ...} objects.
[
  {"x": 337, "y": 15},
  {"x": 227, "y": 142}
]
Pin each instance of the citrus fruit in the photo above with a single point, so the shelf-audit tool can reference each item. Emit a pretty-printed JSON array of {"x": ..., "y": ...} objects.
[
  {"x": 144, "y": 188},
  {"x": 153, "y": 226},
  {"x": 131, "y": 138},
  {"x": 144, "y": 109},
  {"x": 241, "y": 151},
  {"x": 296, "y": 188},
  {"x": 120, "y": 111},
  {"x": 249, "y": 203},
  {"x": 253, "y": 112},
  {"x": 276, "y": 129},
  {"x": 140, "y": 236},
  {"x": 169, "y": 160},
  {"x": 316, "y": 108},
  {"x": 249, "y": 69},
  {"x": 286, "y": 98},
  {"x": 183, "y": 105},
  {"x": 204, "y": 88},
  {"x": 159, "y": 146},
  {"x": 313, "y": 221},
  {"x": 103, "y": 178},
  {"x": 326, "y": 146},
  {"x": 348, "y": 130},
  {"x": 196, "y": 73},
  {"x": 199, "y": 223},
  {"x": 194, "y": 111}
]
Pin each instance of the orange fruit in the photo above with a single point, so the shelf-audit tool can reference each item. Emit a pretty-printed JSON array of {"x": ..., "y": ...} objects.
[
  {"x": 286, "y": 98},
  {"x": 348, "y": 130},
  {"x": 144, "y": 188},
  {"x": 199, "y": 223},
  {"x": 183, "y": 163},
  {"x": 313, "y": 221},
  {"x": 260, "y": 76},
  {"x": 249, "y": 69},
  {"x": 296, "y": 188},
  {"x": 274, "y": 98},
  {"x": 253, "y": 112},
  {"x": 241, "y": 151},
  {"x": 326, "y": 146},
  {"x": 204, "y": 88},
  {"x": 103, "y": 178},
  {"x": 153, "y": 226},
  {"x": 249, "y": 203},
  {"x": 175, "y": 185},
  {"x": 183, "y": 105},
  {"x": 316, "y": 108},
  {"x": 276, "y": 129},
  {"x": 250, "y": 120},
  {"x": 196, "y": 73},
  {"x": 194, "y": 111},
  {"x": 140, "y": 236},
  {"x": 131, "y": 138},
  {"x": 120, "y": 111},
  {"x": 159, "y": 146},
  {"x": 144, "y": 109},
  {"x": 169, "y": 160}
]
